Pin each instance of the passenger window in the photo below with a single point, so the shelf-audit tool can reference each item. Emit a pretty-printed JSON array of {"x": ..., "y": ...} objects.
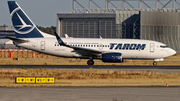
[{"x": 94, "y": 45}]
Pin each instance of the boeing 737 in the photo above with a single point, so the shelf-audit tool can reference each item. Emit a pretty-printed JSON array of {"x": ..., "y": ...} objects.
[{"x": 108, "y": 50}]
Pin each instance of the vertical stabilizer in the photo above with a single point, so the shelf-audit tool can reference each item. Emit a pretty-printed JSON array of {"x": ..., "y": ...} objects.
[{"x": 23, "y": 26}]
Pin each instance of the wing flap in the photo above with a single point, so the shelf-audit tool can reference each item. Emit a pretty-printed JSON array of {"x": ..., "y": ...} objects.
[
  {"x": 86, "y": 51},
  {"x": 16, "y": 39}
]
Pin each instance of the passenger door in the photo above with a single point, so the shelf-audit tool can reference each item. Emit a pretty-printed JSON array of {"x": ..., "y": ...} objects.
[
  {"x": 100, "y": 46},
  {"x": 152, "y": 47},
  {"x": 42, "y": 45}
]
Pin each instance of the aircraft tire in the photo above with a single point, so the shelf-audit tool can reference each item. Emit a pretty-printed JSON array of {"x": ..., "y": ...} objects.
[
  {"x": 90, "y": 62},
  {"x": 154, "y": 63}
]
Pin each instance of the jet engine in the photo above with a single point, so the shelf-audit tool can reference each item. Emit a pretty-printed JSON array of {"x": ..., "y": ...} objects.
[{"x": 112, "y": 57}]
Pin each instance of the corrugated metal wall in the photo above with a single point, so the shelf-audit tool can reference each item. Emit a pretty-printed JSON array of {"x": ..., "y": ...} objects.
[
  {"x": 128, "y": 24},
  {"x": 89, "y": 28},
  {"x": 162, "y": 27}
]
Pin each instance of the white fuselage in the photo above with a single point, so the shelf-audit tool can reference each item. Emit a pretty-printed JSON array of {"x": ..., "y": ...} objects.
[{"x": 152, "y": 49}]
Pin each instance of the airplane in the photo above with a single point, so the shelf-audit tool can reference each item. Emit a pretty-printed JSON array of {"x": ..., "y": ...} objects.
[{"x": 108, "y": 50}]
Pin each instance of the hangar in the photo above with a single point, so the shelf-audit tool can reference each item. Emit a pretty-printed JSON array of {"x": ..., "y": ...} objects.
[
  {"x": 159, "y": 22},
  {"x": 6, "y": 43}
]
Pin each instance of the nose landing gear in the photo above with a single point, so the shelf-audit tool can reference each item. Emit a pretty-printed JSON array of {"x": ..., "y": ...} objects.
[{"x": 90, "y": 62}]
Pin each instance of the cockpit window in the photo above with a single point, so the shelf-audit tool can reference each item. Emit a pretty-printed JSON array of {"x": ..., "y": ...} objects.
[{"x": 163, "y": 46}]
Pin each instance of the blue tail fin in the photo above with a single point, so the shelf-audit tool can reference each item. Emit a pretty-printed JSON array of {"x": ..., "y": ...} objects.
[{"x": 23, "y": 26}]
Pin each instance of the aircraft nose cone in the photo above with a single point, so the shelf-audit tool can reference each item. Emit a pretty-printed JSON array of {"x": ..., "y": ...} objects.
[{"x": 173, "y": 52}]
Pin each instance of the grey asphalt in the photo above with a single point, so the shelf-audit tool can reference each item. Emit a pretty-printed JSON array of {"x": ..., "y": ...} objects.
[
  {"x": 90, "y": 94},
  {"x": 160, "y": 69},
  {"x": 94, "y": 66}
]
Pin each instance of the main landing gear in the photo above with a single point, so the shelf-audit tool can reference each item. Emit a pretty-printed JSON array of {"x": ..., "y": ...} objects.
[
  {"x": 90, "y": 62},
  {"x": 154, "y": 63}
]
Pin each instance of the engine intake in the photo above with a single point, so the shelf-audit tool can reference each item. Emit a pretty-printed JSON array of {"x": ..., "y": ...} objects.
[{"x": 112, "y": 57}]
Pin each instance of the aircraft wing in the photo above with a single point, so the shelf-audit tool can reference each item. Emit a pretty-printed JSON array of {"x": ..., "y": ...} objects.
[
  {"x": 80, "y": 50},
  {"x": 16, "y": 39},
  {"x": 85, "y": 51}
]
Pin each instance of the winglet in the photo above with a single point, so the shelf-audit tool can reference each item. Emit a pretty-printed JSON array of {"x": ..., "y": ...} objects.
[
  {"x": 66, "y": 36},
  {"x": 60, "y": 41}
]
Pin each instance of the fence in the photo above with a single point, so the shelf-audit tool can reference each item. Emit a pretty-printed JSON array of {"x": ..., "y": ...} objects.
[{"x": 22, "y": 53}]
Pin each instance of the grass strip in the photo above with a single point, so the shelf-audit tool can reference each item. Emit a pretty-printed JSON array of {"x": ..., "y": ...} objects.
[{"x": 90, "y": 77}]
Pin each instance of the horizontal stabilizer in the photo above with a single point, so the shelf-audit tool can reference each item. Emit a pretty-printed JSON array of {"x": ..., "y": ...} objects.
[{"x": 16, "y": 40}]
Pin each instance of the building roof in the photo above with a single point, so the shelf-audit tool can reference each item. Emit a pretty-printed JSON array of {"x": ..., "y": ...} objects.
[{"x": 86, "y": 15}]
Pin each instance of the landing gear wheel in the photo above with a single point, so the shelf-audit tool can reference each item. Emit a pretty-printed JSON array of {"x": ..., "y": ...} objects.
[
  {"x": 90, "y": 62},
  {"x": 154, "y": 63}
]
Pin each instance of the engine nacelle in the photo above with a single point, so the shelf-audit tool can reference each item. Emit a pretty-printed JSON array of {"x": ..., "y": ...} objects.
[{"x": 112, "y": 57}]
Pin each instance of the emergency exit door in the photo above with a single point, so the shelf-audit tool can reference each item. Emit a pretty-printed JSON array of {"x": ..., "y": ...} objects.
[
  {"x": 151, "y": 47},
  {"x": 42, "y": 45}
]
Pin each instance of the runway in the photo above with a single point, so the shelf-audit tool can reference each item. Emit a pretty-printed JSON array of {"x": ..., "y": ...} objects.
[
  {"x": 160, "y": 69},
  {"x": 90, "y": 94},
  {"x": 94, "y": 66}
]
